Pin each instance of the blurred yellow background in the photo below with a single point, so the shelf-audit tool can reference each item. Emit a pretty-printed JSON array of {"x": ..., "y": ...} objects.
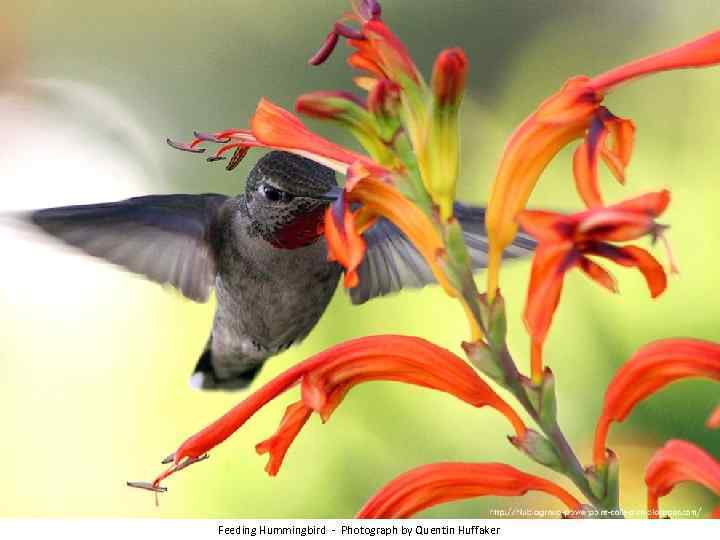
[{"x": 94, "y": 362}]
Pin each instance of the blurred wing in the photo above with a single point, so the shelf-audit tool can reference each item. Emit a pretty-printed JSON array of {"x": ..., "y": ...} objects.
[
  {"x": 166, "y": 238},
  {"x": 392, "y": 263}
]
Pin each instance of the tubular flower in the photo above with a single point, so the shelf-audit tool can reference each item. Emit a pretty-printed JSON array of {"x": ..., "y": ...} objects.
[
  {"x": 345, "y": 245},
  {"x": 351, "y": 112},
  {"x": 439, "y": 483},
  {"x": 277, "y": 129},
  {"x": 650, "y": 369},
  {"x": 572, "y": 113},
  {"x": 565, "y": 242},
  {"x": 325, "y": 380},
  {"x": 677, "y": 462},
  {"x": 379, "y": 51}
]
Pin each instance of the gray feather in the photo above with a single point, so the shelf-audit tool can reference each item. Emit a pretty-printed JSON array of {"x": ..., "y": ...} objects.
[{"x": 166, "y": 238}]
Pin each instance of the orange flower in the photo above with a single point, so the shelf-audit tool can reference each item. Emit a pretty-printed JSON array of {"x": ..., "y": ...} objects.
[
  {"x": 325, "y": 380},
  {"x": 275, "y": 128},
  {"x": 575, "y": 112},
  {"x": 677, "y": 462},
  {"x": 439, "y": 483},
  {"x": 345, "y": 245},
  {"x": 650, "y": 369},
  {"x": 565, "y": 242},
  {"x": 379, "y": 51}
]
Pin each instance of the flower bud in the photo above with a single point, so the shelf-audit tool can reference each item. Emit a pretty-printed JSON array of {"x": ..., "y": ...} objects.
[
  {"x": 448, "y": 79},
  {"x": 537, "y": 448},
  {"x": 440, "y": 153}
]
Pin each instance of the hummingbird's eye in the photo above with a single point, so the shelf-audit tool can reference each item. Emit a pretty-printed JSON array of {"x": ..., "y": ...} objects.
[{"x": 273, "y": 194}]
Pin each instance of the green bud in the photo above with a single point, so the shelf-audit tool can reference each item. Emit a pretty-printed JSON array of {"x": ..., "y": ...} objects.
[{"x": 538, "y": 448}]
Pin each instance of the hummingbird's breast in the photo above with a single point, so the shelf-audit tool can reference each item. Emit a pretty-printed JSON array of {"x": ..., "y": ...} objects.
[{"x": 270, "y": 297}]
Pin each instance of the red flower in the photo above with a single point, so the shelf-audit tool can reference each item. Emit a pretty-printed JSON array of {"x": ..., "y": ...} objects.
[
  {"x": 345, "y": 245},
  {"x": 575, "y": 112},
  {"x": 565, "y": 242},
  {"x": 379, "y": 51},
  {"x": 677, "y": 462},
  {"x": 650, "y": 369},
  {"x": 439, "y": 483},
  {"x": 275, "y": 128},
  {"x": 325, "y": 380}
]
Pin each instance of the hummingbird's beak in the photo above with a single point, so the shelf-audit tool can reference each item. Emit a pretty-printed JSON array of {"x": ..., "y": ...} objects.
[{"x": 333, "y": 194}]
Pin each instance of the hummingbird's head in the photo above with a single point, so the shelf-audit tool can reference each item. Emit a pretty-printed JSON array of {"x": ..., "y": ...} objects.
[{"x": 286, "y": 198}]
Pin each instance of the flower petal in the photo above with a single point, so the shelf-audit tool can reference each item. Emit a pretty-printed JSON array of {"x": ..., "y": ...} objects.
[
  {"x": 585, "y": 163},
  {"x": 617, "y": 157},
  {"x": 438, "y": 483},
  {"x": 635, "y": 257},
  {"x": 603, "y": 127},
  {"x": 550, "y": 263},
  {"x": 389, "y": 52},
  {"x": 700, "y": 52},
  {"x": 345, "y": 245},
  {"x": 677, "y": 462},
  {"x": 296, "y": 415},
  {"x": 545, "y": 226},
  {"x": 598, "y": 274},
  {"x": 277, "y": 128},
  {"x": 651, "y": 368},
  {"x": 652, "y": 204}
]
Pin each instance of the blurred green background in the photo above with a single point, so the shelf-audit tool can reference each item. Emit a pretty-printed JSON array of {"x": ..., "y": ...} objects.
[{"x": 94, "y": 362}]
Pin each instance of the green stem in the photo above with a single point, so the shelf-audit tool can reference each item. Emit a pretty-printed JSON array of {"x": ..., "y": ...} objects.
[
  {"x": 570, "y": 465},
  {"x": 572, "y": 468}
]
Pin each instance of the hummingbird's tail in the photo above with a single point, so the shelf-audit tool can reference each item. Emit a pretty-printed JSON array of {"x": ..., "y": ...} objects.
[{"x": 214, "y": 374}]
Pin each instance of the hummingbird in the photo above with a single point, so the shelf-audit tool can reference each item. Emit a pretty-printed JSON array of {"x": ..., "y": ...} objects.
[{"x": 262, "y": 251}]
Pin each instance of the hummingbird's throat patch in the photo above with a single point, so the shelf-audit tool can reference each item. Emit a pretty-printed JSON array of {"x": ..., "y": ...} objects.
[{"x": 302, "y": 230}]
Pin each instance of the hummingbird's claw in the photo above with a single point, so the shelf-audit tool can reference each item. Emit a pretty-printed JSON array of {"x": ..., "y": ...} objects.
[
  {"x": 184, "y": 147},
  {"x": 209, "y": 137},
  {"x": 149, "y": 486}
]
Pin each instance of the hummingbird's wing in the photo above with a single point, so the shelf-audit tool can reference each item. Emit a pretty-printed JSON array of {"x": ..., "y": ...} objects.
[
  {"x": 392, "y": 262},
  {"x": 166, "y": 238}
]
